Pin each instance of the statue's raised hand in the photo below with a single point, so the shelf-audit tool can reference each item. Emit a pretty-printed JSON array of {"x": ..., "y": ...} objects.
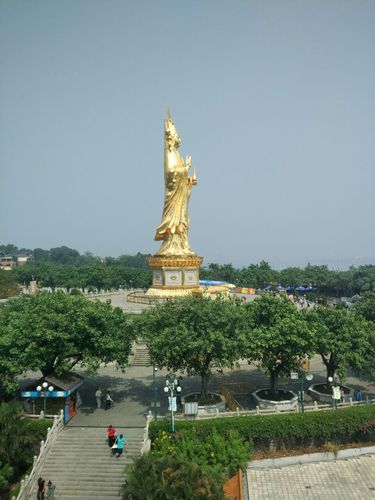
[{"x": 188, "y": 162}]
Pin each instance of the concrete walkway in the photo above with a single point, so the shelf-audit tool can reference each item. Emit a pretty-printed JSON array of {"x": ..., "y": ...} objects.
[{"x": 131, "y": 392}]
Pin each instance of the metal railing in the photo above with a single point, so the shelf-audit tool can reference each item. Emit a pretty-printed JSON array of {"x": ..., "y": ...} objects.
[
  {"x": 139, "y": 297},
  {"x": 230, "y": 400},
  {"x": 275, "y": 411},
  {"x": 30, "y": 480}
]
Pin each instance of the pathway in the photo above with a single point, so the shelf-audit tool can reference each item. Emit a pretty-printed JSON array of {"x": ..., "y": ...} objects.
[{"x": 80, "y": 463}]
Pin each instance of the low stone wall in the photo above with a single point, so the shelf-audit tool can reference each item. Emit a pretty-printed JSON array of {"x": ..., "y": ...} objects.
[
  {"x": 287, "y": 404},
  {"x": 326, "y": 398},
  {"x": 270, "y": 463},
  {"x": 209, "y": 409}
]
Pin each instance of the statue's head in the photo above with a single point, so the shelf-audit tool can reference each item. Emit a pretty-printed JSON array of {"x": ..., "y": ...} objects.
[{"x": 170, "y": 133}]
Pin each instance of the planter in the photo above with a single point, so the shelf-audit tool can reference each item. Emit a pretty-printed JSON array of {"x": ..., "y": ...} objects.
[
  {"x": 290, "y": 401},
  {"x": 323, "y": 397},
  {"x": 209, "y": 408}
]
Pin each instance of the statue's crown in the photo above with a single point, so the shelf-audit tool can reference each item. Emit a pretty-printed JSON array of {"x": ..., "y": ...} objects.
[
  {"x": 169, "y": 126},
  {"x": 170, "y": 130}
]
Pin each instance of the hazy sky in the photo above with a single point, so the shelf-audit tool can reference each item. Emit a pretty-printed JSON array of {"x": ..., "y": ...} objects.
[{"x": 274, "y": 100}]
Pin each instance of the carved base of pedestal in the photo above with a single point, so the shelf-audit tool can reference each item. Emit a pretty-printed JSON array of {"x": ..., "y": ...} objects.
[
  {"x": 167, "y": 292},
  {"x": 174, "y": 276}
]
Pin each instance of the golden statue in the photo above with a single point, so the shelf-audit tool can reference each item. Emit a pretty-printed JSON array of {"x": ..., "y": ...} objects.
[
  {"x": 175, "y": 268},
  {"x": 173, "y": 229}
]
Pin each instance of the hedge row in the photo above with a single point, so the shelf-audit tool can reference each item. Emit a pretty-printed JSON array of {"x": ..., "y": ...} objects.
[{"x": 287, "y": 430}]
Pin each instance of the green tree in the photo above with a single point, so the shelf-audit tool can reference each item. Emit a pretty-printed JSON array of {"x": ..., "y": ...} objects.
[
  {"x": 366, "y": 306},
  {"x": 9, "y": 249},
  {"x": 278, "y": 337},
  {"x": 41, "y": 255},
  {"x": 53, "y": 332},
  {"x": 8, "y": 284},
  {"x": 193, "y": 335},
  {"x": 64, "y": 255},
  {"x": 19, "y": 441},
  {"x": 292, "y": 276},
  {"x": 342, "y": 339},
  {"x": 167, "y": 478}
]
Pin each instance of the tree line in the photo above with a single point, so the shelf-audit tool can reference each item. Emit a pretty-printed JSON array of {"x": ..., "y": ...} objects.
[
  {"x": 67, "y": 268},
  {"x": 199, "y": 336},
  {"x": 328, "y": 282},
  {"x": 53, "y": 332}
]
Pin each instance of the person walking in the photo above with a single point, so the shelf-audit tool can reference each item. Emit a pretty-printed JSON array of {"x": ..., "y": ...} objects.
[
  {"x": 41, "y": 487},
  {"x": 111, "y": 433},
  {"x": 98, "y": 397},
  {"x": 342, "y": 395},
  {"x": 357, "y": 395},
  {"x": 120, "y": 442},
  {"x": 50, "y": 490},
  {"x": 108, "y": 400}
]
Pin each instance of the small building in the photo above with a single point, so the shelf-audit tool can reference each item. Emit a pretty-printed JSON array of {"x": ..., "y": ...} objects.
[
  {"x": 64, "y": 396},
  {"x": 22, "y": 260},
  {"x": 7, "y": 263}
]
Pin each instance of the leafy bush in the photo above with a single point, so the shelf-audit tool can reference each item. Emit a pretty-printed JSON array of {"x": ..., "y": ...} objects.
[
  {"x": 19, "y": 441},
  {"x": 222, "y": 453},
  {"x": 189, "y": 464},
  {"x": 285, "y": 431},
  {"x": 6, "y": 473},
  {"x": 153, "y": 477}
]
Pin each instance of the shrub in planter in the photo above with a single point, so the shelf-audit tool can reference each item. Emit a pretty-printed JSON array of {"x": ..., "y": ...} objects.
[{"x": 153, "y": 477}]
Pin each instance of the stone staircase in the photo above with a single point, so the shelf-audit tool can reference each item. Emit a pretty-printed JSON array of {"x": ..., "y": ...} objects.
[
  {"x": 141, "y": 356},
  {"x": 82, "y": 467}
]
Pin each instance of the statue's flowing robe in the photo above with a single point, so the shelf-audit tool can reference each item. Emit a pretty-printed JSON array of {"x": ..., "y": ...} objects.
[{"x": 173, "y": 228}]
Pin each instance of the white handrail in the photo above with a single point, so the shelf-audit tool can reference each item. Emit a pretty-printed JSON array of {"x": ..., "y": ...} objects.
[
  {"x": 29, "y": 480},
  {"x": 146, "y": 445},
  {"x": 274, "y": 411}
]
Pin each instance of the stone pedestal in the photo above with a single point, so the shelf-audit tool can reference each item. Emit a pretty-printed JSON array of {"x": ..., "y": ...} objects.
[{"x": 174, "y": 276}]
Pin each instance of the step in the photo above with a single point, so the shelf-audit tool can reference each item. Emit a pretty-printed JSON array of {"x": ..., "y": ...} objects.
[
  {"x": 90, "y": 453},
  {"x": 84, "y": 495},
  {"x": 84, "y": 457},
  {"x": 94, "y": 447},
  {"x": 69, "y": 466},
  {"x": 81, "y": 466},
  {"x": 64, "y": 466},
  {"x": 118, "y": 478},
  {"x": 63, "y": 496},
  {"x": 98, "y": 488}
]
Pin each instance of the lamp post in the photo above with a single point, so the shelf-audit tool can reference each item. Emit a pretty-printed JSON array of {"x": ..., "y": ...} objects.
[
  {"x": 43, "y": 390},
  {"x": 154, "y": 370},
  {"x": 308, "y": 377},
  {"x": 330, "y": 380},
  {"x": 171, "y": 386}
]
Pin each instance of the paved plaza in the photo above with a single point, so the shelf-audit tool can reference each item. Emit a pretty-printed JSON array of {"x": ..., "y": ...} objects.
[{"x": 351, "y": 479}]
